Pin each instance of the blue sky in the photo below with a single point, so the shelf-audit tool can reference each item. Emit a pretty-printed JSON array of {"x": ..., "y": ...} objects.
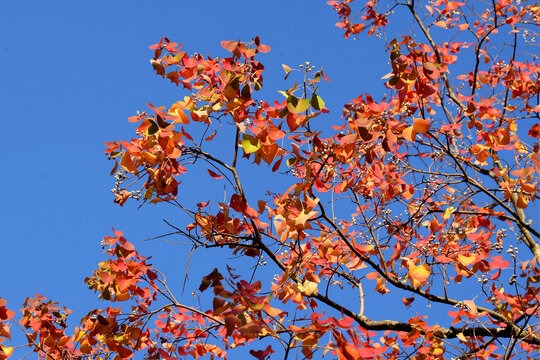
[{"x": 72, "y": 73}]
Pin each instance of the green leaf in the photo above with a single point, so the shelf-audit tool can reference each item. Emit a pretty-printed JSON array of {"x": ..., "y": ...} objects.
[
  {"x": 291, "y": 161},
  {"x": 317, "y": 102},
  {"x": 257, "y": 85},
  {"x": 154, "y": 128},
  {"x": 283, "y": 93},
  {"x": 297, "y": 106},
  {"x": 303, "y": 105},
  {"x": 393, "y": 81},
  {"x": 250, "y": 143},
  {"x": 292, "y": 102}
]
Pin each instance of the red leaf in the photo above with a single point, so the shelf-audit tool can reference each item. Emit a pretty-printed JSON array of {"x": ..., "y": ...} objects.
[
  {"x": 133, "y": 149},
  {"x": 211, "y": 136},
  {"x": 156, "y": 46},
  {"x": 260, "y": 354},
  {"x": 263, "y": 48},
  {"x": 240, "y": 206},
  {"x": 534, "y": 131},
  {"x": 499, "y": 263},
  {"x": 229, "y": 45},
  {"x": 230, "y": 324},
  {"x": 431, "y": 71},
  {"x": 173, "y": 76},
  {"x": 5, "y": 314},
  {"x": 202, "y": 205},
  {"x": 158, "y": 66},
  {"x": 214, "y": 175}
]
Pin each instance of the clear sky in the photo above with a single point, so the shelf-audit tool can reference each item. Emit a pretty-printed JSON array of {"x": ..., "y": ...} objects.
[{"x": 71, "y": 74}]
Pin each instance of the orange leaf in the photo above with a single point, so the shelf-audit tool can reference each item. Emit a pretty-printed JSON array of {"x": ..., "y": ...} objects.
[
  {"x": 127, "y": 163},
  {"x": 346, "y": 352},
  {"x": 407, "y": 301},
  {"x": 523, "y": 173},
  {"x": 372, "y": 275},
  {"x": 409, "y": 134},
  {"x": 522, "y": 202},
  {"x": 441, "y": 24},
  {"x": 272, "y": 311},
  {"x": 418, "y": 275},
  {"x": 85, "y": 347},
  {"x": 5, "y": 331},
  {"x": 122, "y": 297},
  {"x": 471, "y": 305},
  {"x": 134, "y": 119},
  {"x": 421, "y": 126},
  {"x": 150, "y": 158},
  {"x": 121, "y": 197},
  {"x": 408, "y": 194},
  {"x": 182, "y": 118}
]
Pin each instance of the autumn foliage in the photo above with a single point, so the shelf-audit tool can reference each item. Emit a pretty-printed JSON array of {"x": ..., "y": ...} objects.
[{"x": 427, "y": 196}]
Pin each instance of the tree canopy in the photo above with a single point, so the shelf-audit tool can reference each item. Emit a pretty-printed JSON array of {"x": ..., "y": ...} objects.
[{"x": 426, "y": 196}]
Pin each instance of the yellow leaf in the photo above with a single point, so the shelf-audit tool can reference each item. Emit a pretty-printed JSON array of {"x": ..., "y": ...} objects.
[
  {"x": 448, "y": 212},
  {"x": 78, "y": 334},
  {"x": 466, "y": 260},
  {"x": 310, "y": 287},
  {"x": 304, "y": 217},
  {"x": 6, "y": 350},
  {"x": 461, "y": 337},
  {"x": 419, "y": 274}
]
